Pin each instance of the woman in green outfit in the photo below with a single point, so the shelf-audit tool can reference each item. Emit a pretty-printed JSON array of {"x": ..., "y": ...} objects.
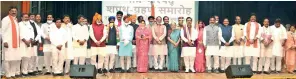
[{"x": 174, "y": 47}]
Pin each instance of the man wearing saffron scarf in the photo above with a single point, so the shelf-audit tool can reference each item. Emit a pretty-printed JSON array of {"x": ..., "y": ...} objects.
[
  {"x": 11, "y": 42},
  {"x": 252, "y": 46}
]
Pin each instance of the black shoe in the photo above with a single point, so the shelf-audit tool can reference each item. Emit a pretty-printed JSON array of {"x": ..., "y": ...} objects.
[
  {"x": 266, "y": 72},
  {"x": 54, "y": 74},
  {"x": 222, "y": 71},
  {"x": 118, "y": 69},
  {"x": 111, "y": 71},
  {"x": 25, "y": 75},
  {"x": 129, "y": 71},
  {"x": 208, "y": 71},
  {"x": 47, "y": 73},
  {"x": 100, "y": 71},
  {"x": 151, "y": 69},
  {"x": 294, "y": 71},
  {"x": 18, "y": 76},
  {"x": 165, "y": 68},
  {"x": 104, "y": 70},
  {"x": 216, "y": 71},
  {"x": 32, "y": 73},
  {"x": 60, "y": 74},
  {"x": 259, "y": 72},
  {"x": 122, "y": 71}
]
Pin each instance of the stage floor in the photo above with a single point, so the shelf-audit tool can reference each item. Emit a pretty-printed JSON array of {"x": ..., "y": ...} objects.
[{"x": 169, "y": 76}]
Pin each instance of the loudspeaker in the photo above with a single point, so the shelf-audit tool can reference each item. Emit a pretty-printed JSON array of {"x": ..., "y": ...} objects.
[
  {"x": 83, "y": 71},
  {"x": 239, "y": 71}
]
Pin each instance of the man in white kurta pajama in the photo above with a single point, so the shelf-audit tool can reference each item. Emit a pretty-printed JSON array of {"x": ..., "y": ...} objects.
[
  {"x": 279, "y": 36},
  {"x": 67, "y": 25},
  {"x": 238, "y": 47},
  {"x": 58, "y": 39},
  {"x": 47, "y": 49},
  {"x": 10, "y": 31},
  {"x": 212, "y": 43},
  {"x": 252, "y": 44},
  {"x": 26, "y": 49},
  {"x": 80, "y": 37},
  {"x": 266, "y": 47}
]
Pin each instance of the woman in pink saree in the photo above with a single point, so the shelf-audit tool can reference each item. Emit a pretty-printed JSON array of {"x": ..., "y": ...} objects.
[
  {"x": 143, "y": 39},
  {"x": 200, "y": 61},
  {"x": 290, "y": 48}
]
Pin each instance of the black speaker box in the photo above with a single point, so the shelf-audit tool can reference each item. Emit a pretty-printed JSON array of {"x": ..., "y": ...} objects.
[
  {"x": 83, "y": 71},
  {"x": 239, "y": 71}
]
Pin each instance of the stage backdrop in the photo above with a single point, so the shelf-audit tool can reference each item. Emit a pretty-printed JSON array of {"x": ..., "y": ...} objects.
[{"x": 172, "y": 9}]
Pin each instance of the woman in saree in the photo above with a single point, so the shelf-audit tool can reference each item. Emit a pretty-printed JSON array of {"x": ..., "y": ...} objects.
[
  {"x": 290, "y": 48},
  {"x": 173, "y": 48},
  {"x": 143, "y": 39},
  {"x": 200, "y": 61}
]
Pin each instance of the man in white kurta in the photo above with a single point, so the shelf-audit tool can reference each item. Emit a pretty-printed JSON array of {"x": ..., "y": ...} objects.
[
  {"x": 238, "y": 47},
  {"x": 26, "y": 49},
  {"x": 252, "y": 43},
  {"x": 80, "y": 37},
  {"x": 212, "y": 43},
  {"x": 226, "y": 51},
  {"x": 10, "y": 32},
  {"x": 47, "y": 49},
  {"x": 67, "y": 25},
  {"x": 189, "y": 35},
  {"x": 279, "y": 36},
  {"x": 266, "y": 47},
  {"x": 36, "y": 40},
  {"x": 58, "y": 39}
]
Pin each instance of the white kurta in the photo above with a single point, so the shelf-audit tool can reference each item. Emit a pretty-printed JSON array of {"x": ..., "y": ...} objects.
[
  {"x": 251, "y": 50},
  {"x": 226, "y": 51},
  {"x": 278, "y": 36},
  {"x": 58, "y": 37},
  {"x": 238, "y": 50},
  {"x": 266, "y": 51},
  {"x": 80, "y": 32},
  {"x": 10, "y": 53},
  {"x": 27, "y": 33},
  {"x": 46, "y": 29},
  {"x": 69, "y": 50},
  {"x": 189, "y": 51}
]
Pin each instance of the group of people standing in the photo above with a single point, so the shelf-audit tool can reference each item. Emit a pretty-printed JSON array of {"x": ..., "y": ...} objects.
[{"x": 127, "y": 44}]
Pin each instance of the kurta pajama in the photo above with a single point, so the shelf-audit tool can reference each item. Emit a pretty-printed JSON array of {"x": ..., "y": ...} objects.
[
  {"x": 11, "y": 55},
  {"x": 212, "y": 43},
  {"x": 188, "y": 52},
  {"x": 97, "y": 33},
  {"x": 126, "y": 33},
  {"x": 69, "y": 52},
  {"x": 47, "y": 48},
  {"x": 238, "y": 48},
  {"x": 26, "y": 33},
  {"x": 278, "y": 36},
  {"x": 80, "y": 32},
  {"x": 226, "y": 52},
  {"x": 112, "y": 40},
  {"x": 159, "y": 49},
  {"x": 142, "y": 48},
  {"x": 265, "y": 52},
  {"x": 58, "y": 37},
  {"x": 251, "y": 32}
]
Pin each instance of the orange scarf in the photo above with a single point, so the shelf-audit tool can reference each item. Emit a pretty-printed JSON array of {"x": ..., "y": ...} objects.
[
  {"x": 14, "y": 33},
  {"x": 248, "y": 34}
]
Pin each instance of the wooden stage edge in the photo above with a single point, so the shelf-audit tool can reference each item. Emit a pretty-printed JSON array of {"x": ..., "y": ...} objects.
[{"x": 168, "y": 76}]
